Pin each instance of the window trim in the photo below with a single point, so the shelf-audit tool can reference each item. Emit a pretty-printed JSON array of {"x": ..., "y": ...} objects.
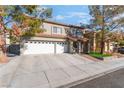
[{"x": 57, "y": 32}]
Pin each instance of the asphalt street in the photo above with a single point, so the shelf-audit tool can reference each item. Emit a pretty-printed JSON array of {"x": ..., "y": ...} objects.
[{"x": 111, "y": 80}]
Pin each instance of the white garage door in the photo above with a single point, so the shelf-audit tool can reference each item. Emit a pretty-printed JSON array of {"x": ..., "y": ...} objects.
[
  {"x": 61, "y": 47},
  {"x": 38, "y": 47}
]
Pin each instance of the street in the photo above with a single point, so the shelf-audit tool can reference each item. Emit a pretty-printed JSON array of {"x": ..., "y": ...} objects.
[{"x": 111, "y": 80}]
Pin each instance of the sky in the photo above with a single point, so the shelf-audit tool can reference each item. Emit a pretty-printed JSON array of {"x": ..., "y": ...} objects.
[{"x": 70, "y": 14}]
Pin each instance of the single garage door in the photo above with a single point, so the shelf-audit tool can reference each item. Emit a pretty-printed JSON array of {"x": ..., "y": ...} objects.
[
  {"x": 42, "y": 47},
  {"x": 61, "y": 47}
]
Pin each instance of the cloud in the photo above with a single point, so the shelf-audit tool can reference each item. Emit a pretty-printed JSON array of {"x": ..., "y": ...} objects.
[
  {"x": 59, "y": 17},
  {"x": 77, "y": 14},
  {"x": 72, "y": 14},
  {"x": 84, "y": 21}
]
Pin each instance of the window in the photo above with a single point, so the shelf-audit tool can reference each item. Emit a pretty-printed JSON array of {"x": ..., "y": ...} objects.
[
  {"x": 76, "y": 32},
  {"x": 57, "y": 30},
  {"x": 54, "y": 29},
  {"x": 79, "y": 33}
]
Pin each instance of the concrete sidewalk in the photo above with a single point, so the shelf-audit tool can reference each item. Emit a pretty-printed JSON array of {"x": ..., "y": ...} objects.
[{"x": 64, "y": 70}]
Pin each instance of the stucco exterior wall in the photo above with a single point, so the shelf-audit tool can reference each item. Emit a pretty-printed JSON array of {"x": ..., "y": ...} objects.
[
  {"x": 47, "y": 39},
  {"x": 49, "y": 28},
  {"x": 110, "y": 47}
]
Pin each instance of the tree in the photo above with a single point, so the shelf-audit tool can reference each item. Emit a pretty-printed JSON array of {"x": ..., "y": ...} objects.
[
  {"x": 105, "y": 18},
  {"x": 25, "y": 19}
]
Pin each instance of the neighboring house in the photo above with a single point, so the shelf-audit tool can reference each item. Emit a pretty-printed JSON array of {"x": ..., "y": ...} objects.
[
  {"x": 57, "y": 38},
  {"x": 109, "y": 45}
]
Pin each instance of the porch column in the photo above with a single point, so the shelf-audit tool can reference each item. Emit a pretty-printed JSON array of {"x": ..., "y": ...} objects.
[
  {"x": 94, "y": 41},
  {"x": 70, "y": 47},
  {"x": 89, "y": 45},
  {"x": 82, "y": 48},
  {"x": 79, "y": 44},
  {"x": 106, "y": 47}
]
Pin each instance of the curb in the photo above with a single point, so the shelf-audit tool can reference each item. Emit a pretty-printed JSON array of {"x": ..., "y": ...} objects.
[{"x": 69, "y": 85}]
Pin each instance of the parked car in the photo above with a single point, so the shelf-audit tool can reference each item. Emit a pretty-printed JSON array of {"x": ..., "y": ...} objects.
[{"x": 121, "y": 50}]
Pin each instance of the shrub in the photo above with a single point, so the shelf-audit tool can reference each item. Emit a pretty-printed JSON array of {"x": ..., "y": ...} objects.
[{"x": 97, "y": 54}]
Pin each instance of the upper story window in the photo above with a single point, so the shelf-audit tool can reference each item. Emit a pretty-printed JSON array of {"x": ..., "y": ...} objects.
[
  {"x": 76, "y": 32},
  {"x": 79, "y": 34},
  {"x": 57, "y": 30}
]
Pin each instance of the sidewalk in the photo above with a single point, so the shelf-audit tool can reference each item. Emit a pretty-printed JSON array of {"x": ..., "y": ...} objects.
[{"x": 53, "y": 71}]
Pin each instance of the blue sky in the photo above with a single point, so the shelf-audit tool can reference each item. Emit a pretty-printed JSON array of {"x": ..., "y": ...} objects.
[{"x": 70, "y": 14}]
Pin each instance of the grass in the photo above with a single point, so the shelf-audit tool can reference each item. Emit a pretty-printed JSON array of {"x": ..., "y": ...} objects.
[{"x": 98, "y": 55}]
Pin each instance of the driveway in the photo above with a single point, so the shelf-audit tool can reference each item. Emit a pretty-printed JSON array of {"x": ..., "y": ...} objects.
[{"x": 51, "y": 70}]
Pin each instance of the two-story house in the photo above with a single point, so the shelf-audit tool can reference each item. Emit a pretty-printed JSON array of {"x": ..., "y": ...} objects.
[{"x": 57, "y": 38}]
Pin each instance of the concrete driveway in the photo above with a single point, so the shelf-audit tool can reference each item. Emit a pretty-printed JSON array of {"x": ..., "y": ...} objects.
[{"x": 49, "y": 70}]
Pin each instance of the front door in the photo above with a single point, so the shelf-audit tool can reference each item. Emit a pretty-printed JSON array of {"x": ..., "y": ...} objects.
[
  {"x": 85, "y": 47},
  {"x": 75, "y": 47}
]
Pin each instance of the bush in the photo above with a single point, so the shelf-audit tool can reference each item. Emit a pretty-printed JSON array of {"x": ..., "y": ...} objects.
[
  {"x": 121, "y": 43},
  {"x": 98, "y": 55}
]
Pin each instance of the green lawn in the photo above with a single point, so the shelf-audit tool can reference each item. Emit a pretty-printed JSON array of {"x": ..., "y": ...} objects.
[{"x": 98, "y": 55}]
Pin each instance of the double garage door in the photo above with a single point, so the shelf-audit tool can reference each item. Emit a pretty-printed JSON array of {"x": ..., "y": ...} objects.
[{"x": 43, "y": 47}]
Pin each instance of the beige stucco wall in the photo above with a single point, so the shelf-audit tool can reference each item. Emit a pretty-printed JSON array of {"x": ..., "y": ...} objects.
[
  {"x": 47, "y": 39},
  {"x": 49, "y": 28},
  {"x": 70, "y": 49}
]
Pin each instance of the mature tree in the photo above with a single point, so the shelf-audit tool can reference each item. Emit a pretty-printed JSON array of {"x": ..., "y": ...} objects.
[
  {"x": 106, "y": 18},
  {"x": 25, "y": 20}
]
